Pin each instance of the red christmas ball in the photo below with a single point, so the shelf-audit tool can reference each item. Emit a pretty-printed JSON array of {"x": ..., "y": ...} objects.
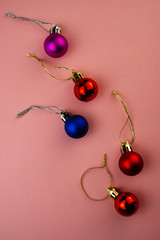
[
  {"x": 131, "y": 163},
  {"x": 126, "y": 204},
  {"x": 85, "y": 89}
]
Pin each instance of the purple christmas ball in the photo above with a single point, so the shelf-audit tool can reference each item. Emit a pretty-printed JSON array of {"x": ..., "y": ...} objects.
[{"x": 56, "y": 45}]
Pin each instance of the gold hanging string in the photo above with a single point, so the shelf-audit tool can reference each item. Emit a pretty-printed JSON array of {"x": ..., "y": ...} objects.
[
  {"x": 42, "y": 63},
  {"x": 109, "y": 174},
  {"x": 128, "y": 118}
]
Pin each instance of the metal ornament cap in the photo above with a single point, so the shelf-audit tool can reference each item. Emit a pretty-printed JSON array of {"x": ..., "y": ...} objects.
[
  {"x": 65, "y": 115},
  {"x": 126, "y": 147},
  {"x": 113, "y": 192}
]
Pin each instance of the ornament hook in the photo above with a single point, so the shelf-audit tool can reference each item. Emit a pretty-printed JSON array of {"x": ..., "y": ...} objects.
[
  {"x": 128, "y": 118},
  {"x": 42, "y": 64},
  {"x": 109, "y": 174}
]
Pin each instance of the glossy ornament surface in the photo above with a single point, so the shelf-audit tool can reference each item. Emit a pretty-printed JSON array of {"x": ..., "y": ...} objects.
[
  {"x": 85, "y": 89},
  {"x": 55, "y": 45},
  {"x": 126, "y": 204},
  {"x": 131, "y": 163},
  {"x": 76, "y": 126}
]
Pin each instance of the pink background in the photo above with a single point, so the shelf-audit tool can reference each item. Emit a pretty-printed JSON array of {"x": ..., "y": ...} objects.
[{"x": 116, "y": 43}]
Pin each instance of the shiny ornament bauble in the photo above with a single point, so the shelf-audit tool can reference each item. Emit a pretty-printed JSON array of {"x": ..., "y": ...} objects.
[
  {"x": 76, "y": 126},
  {"x": 85, "y": 89},
  {"x": 126, "y": 204},
  {"x": 55, "y": 45},
  {"x": 131, "y": 163}
]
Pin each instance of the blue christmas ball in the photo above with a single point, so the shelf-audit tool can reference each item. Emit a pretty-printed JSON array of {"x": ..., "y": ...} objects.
[{"x": 76, "y": 126}]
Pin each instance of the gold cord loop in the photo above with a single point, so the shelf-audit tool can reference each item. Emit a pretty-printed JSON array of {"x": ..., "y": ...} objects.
[
  {"x": 42, "y": 63},
  {"x": 110, "y": 178},
  {"x": 128, "y": 118}
]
